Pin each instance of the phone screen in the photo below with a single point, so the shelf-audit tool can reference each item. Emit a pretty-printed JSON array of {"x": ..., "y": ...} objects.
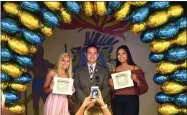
[{"x": 95, "y": 92}]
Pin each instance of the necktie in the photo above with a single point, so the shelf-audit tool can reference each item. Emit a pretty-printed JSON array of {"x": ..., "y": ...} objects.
[{"x": 91, "y": 72}]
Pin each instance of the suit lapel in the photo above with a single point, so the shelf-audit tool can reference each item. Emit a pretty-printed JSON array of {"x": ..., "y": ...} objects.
[
  {"x": 95, "y": 73},
  {"x": 87, "y": 75}
]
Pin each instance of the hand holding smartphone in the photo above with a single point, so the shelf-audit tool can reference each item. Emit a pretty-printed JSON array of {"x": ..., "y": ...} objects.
[{"x": 94, "y": 92}]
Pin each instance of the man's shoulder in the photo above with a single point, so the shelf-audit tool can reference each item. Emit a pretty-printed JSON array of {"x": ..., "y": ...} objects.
[
  {"x": 101, "y": 67},
  {"x": 80, "y": 67}
]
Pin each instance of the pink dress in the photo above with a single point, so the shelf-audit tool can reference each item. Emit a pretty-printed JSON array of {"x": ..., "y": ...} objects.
[{"x": 56, "y": 104}]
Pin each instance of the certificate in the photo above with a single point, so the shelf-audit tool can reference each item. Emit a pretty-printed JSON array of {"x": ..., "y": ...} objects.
[
  {"x": 63, "y": 86},
  {"x": 122, "y": 79}
]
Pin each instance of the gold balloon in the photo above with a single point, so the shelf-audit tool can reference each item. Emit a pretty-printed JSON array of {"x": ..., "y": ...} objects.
[
  {"x": 18, "y": 108},
  {"x": 18, "y": 87},
  {"x": 122, "y": 12},
  {"x": 139, "y": 3},
  {"x": 54, "y": 6},
  {"x": 168, "y": 67},
  {"x": 11, "y": 8},
  {"x": 88, "y": 8},
  {"x": 30, "y": 21},
  {"x": 47, "y": 31},
  {"x": 4, "y": 37},
  {"x": 18, "y": 46},
  {"x": 100, "y": 8},
  {"x": 65, "y": 16},
  {"x": 171, "y": 87},
  {"x": 136, "y": 28},
  {"x": 4, "y": 85},
  {"x": 157, "y": 19},
  {"x": 159, "y": 46},
  {"x": 175, "y": 11},
  {"x": 170, "y": 109},
  {"x": 12, "y": 70},
  {"x": 33, "y": 49}
]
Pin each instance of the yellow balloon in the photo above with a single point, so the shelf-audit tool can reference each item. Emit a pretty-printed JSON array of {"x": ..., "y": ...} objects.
[
  {"x": 157, "y": 19},
  {"x": 168, "y": 67},
  {"x": 18, "y": 109},
  {"x": 180, "y": 39},
  {"x": 47, "y": 31},
  {"x": 175, "y": 11},
  {"x": 4, "y": 85},
  {"x": 122, "y": 12},
  {"x": 54, "y": 6},
  {"x": 159, "y": 46},
  {"x": 30, "y": 21},
  {"x": 136, "y": 28},
  {"x": 65, "y": 16},
  {"x": 171, "y": 87},
  {"x": 100, "y": 8},
  {"x": 4, "y": 37},
  {"x": 18, "y": 87},
  {"x": 139, "y": 3},
  {"x": 33, "y": 49},
  {"x": 19, "y": 46},
  {"x": 11, "y": 8},
  {"x": 170, "y": 109},
  {"x": 88, "y": 8},
  {"x": 12, "y": 70}
]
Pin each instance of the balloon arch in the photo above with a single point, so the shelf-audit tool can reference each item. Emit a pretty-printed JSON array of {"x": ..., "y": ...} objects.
[{"x": 160, "y": 23}]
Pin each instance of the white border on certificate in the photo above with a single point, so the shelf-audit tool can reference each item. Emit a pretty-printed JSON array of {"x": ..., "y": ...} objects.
[
  {"x": 63, "y": 86},
  {"x": 122, "y": 79}
]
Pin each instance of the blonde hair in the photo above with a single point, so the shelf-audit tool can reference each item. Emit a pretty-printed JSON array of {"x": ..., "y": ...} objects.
[
  {"x": 57, "y": 68},
  {"x": 95, "y": 110}
]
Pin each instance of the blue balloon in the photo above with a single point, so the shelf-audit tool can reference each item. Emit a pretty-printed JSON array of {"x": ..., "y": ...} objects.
[
  {"x": 51, "y": 18},
  {"x": 160, "y": 78},
  {"x": 112, "y": 6},
  {"x": 177, "y": 54},
  {"x": 159, "y": 5},
  {"x": 11, "y": 97},
  {"x": 167, "y": 32},
  {"x": 161, "y": 97},
  {"x": 8, "y": 25},
  {"x": 24, "y": 60},
  {"x": 181, "y": 100},
  {"x": 6, "y": 54},
  {"x": 32, "y": 37},
  {"x": 73, "y": 7},
  {"x": 139, "y": 15},
  {"x": 181, "y": 23},
  {"x": 23, "y": 79},
  {"x": 147, "y": 36},
  {"x": 156, "y": 57},
  {"x": 5, "y": 77},
  {"x": 180, "y": 76},
  {"x": 31, "y": 6}
]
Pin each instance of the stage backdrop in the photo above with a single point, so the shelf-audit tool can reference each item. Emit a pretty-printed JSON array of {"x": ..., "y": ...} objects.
[{"x": 75, "y": 42}]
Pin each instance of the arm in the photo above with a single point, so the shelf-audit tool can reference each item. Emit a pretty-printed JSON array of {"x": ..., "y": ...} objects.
[
  {"x": 86, "y": 103},
  {"x": 47, "y": 88},
  {"x": 79, "y": 93},
  {"x": 105, "y": 89},
  {"x": 139, "y": 78}
]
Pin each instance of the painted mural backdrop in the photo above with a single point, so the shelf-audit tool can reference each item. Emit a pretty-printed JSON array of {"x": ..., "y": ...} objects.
[{"x": 162, "y": 24}]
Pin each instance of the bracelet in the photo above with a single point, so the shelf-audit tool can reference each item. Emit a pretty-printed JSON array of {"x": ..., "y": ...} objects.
[{"x": 104, "y": 106}]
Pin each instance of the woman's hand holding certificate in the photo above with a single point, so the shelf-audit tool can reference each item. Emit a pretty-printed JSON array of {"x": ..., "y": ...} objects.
[
  {"x": 122, "y": 79},
  {"x": 63, "y": 86}
]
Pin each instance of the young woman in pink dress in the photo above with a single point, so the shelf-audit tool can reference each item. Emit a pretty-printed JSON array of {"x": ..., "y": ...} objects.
[{"x": 57, "y": 104}]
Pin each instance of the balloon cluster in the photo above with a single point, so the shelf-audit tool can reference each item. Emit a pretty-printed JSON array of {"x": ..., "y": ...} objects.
[{"x": 161, "y": 24}]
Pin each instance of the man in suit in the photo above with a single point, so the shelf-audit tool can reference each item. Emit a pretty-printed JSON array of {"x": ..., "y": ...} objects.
[{"x": 90, "y": 74}]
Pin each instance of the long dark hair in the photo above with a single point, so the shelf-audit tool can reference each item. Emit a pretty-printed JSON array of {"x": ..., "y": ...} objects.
[{"x": 129, "y": 57}]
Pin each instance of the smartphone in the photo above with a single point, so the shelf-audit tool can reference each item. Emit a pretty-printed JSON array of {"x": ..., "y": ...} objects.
[{"x": 95, "y": 92}]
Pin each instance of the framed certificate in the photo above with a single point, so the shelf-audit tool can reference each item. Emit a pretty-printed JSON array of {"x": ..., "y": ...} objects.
[
  {"x": 63, "y": 86},
  {"x": 122, "y": 79}
]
